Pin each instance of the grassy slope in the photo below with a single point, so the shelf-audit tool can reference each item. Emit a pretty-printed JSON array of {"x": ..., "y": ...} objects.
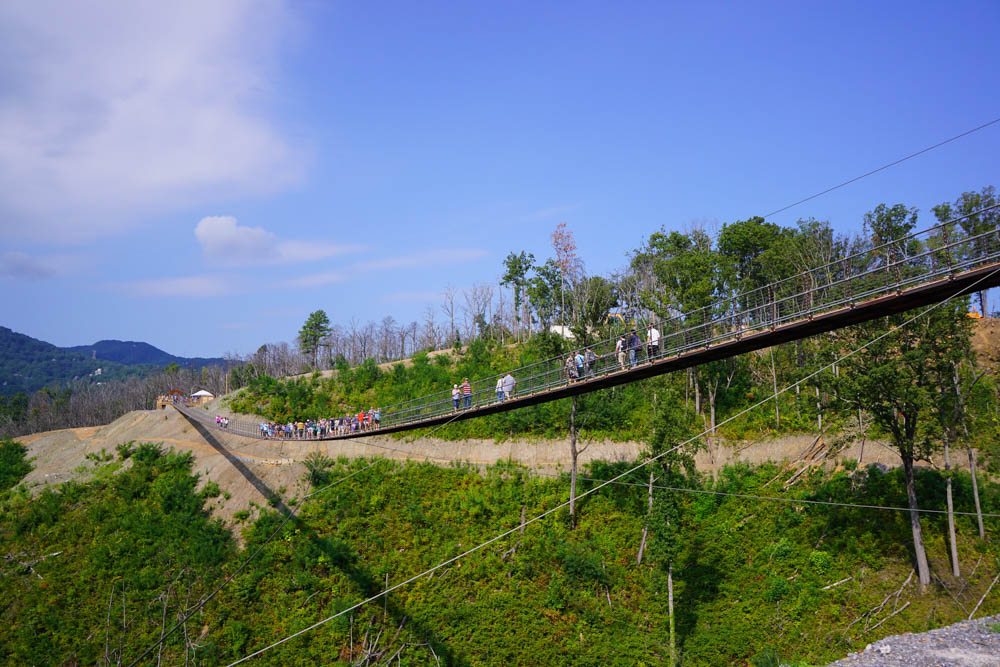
[{"x": 748, "y": 581}]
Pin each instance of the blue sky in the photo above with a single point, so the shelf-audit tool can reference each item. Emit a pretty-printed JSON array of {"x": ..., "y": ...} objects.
[{"x": 201, "y": 176}]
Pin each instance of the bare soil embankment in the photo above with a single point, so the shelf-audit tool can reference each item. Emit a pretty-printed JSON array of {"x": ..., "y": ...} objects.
[{"x": 252, "y": 471}]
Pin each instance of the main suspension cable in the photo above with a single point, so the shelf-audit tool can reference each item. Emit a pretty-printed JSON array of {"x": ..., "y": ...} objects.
[{"x": 884, "y": 167}]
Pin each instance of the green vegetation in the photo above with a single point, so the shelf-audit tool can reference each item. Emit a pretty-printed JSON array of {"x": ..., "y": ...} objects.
[
  {"x": 27, "y": 365},
  {"x": 749, "y": 576},
  {"x": 13, "y": 464},
  {"x": 312, "y": 333}
]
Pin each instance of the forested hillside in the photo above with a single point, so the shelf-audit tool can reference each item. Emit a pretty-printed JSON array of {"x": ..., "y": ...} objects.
[
  {"x": 131, "y": 353},
  {"x": 753, "y": 580},
  {"x": 44, "y": 387},
  {"x": 27, "y": 364}
]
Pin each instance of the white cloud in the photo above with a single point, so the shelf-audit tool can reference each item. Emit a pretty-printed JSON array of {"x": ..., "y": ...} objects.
[
  {"x": 116, "y": 110},
  {"x": 25, "y": 267},
  {"x": 417, "y": 260},
  {"x": 223, "y": 238},
  {"x": 187, "y": 286}
]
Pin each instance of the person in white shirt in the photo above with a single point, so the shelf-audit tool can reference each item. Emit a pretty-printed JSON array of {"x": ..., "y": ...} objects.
[
  {"x": 499, "y": 390},
  {"x": 652, "y": 342},
  {"x": 509, "y": 383}
]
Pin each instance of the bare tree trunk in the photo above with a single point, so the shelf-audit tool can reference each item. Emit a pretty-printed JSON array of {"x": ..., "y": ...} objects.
[
  {"x": 645, "y": 527},
  {"x": 774, "y": 388},
  {"x": 573, "y": 456},
  {"x": 670, "y": 608},
  {"x": 960, "y": 418},
  {"x": 923, "y": 571},
  {"x": 951, "y": 508},
  {"x": 861, "y": 430},
  {"x": 975, "y": 491},
  {"x": 819, "y": 411},
  {"x": 697, "y": 392}
]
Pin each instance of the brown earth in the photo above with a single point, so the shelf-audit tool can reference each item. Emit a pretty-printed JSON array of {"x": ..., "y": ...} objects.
[{"x": 252, "y": 471}]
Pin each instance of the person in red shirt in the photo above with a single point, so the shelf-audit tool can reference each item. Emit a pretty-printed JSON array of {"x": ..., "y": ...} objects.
[{"x": 467, "y": 393}]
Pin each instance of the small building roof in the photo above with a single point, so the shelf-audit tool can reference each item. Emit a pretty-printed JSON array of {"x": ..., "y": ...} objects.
[{"x": 201, "y": 393}]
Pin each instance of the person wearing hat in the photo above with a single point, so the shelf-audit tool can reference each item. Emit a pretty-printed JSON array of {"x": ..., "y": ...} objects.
[{"x": 456, "y": 396}]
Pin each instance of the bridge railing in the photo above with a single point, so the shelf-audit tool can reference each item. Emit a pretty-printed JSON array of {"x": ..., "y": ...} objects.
[{"x": 878, "y": 270}]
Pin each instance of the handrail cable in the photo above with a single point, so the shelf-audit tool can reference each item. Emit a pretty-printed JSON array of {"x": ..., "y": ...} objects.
[
  {"x": 884, "y": 167},
  {"x": 246, "y": 562},
  {"x": 639, "y": 466}
]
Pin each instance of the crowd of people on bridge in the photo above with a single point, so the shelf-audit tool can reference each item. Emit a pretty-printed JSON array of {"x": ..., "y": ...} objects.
[
  {"x": 629, "y": 346},
  {"x": 312, "y": 429},
  {"x": 579, "y": 365}
]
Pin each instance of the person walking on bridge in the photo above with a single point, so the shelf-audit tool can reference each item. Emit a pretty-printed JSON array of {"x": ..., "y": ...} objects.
[
  {"x": 570, "y": 369},
  {"x": 500, "y": 389},
  {"x": 509, "y": 383},
  {"x": 466, "y": 394},
  {"x": 620, "y": 348},
  {"x": 456, "y": 396},
  {"x": 652, "y": 342},
  {"x": 633, "y": 347}
]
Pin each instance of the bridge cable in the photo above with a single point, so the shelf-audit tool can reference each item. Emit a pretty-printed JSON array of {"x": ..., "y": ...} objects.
[
  {"x": 884, "y": 167},
  {"x": 794, "y": 501},
  {"x": 639, "y": 466}
]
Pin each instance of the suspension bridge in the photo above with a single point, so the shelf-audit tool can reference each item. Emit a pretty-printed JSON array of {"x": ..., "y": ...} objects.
[{"x": 916, "y": 270}]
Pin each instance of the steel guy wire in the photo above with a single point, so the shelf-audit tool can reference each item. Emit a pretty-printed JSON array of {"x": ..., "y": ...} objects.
[
  {"x": 884, "y": 167},
  {"x": 794, "y": 501},
  {"x": 600, "y": 486},
  {"x": 246, "y": 562}
]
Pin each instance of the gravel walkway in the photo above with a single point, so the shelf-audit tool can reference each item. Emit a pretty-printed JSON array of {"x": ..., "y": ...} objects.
[{"x": 965, "y": 644}]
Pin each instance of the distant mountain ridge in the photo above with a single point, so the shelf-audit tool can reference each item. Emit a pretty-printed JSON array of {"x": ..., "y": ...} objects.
[
  {"x": 28, "y": 364},
  {"x": 131, "y": 352}
]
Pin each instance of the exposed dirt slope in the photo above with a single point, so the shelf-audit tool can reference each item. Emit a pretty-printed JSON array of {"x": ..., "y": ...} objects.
[{"x": 252, "y": 471}]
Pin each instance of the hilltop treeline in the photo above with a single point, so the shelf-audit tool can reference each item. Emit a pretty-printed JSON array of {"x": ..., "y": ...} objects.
[
  {"x": 681, "y": 272},
  {"x": 753, "y": 580}
]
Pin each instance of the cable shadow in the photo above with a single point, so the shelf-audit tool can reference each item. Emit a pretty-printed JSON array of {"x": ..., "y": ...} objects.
[
  {"x": 342, "y": 557},
  {"x": 273, "y": 498}
]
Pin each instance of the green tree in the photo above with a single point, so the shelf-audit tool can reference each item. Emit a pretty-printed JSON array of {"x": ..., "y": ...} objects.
[
  {"x": 543, "y": 291},
  {"x": 897, "y": 379},
  {"x": 515, "y": 276},
  {"x": 671, "y": 426},
  {"x": 758, "y": 253},
  {"x": 312, "y": 333},
  {"x": 973, "y": 223},
  {"x": 595, "y": 296}
]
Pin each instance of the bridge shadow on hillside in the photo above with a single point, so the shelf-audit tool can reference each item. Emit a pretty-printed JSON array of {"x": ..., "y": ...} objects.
[
  {"x": 339, "y": 555},
  {"x": 343, "y": 558},
  {"x": 272, "y": 498}
]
